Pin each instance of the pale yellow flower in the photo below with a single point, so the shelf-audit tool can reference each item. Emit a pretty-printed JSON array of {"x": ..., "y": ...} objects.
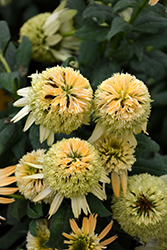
[
  {"x": 143, "y": 212},
  {"x": 6, "y": 180},
  {"x": 117, "y": 158},
  {"x": 72, "y": 169},
  {"x": 29, "y": 175},
  {"x": 43, "y": 234},
  {"x": 122, "y": 105},
  {"x": 85, "y": 238},
  {"x": 51, "y": 34},
  {"x": 60, "y": 100},
  {"x": 153, "y": 2}
]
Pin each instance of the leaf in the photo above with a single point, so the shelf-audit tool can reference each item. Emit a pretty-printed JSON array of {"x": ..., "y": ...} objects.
[
  {"x": 9, "y": 55},
  {"x": 7, "y": 80},
  {"x": 124, "y": 52},
  {"x": 5, "y": 35},
  {"x": 22, "y": 56},
  {"x": 160, "y": 99},
  {"x": 146, "y": 143},
  {"x": 34, "y": 211},
  {"x": 19, "y": 148},
  {"x": 33, "y": 227},
  {"x": 79, "y": 6},
  {"x": 59, "y": 223},
  {"x": 123, "y": 4},
  {"x": 118, "y": 25},
  {"x": 92, "y": 32},
  {"x": 18, "y": 208},
  {"x": 70, "y": 61},
  {"x": 100, "y": 11},
  {"x": 34, "y": 138},
  {"x": 97, "y": 207}
]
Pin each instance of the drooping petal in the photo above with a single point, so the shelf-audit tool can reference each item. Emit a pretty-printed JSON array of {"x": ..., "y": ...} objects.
[{"x": 55, "y": 204}]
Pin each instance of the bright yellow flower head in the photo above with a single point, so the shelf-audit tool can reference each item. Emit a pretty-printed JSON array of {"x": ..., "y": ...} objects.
[
  {"x": 117, "y": 158},
  {"x": 29, "y": 174},
  {"x": 6, "y": 180},
  {"x": 153, "y": 2},
  {"x": 143, "y": 212},
  {"x": 51, "y": 35},
  {"x": 122, "y": 104},
  {"x": 72, "y": 169},
  {"x": 43, "y": 234},
  {"x": 85, "y": 238},
  {"x": 60, "y": 100}
]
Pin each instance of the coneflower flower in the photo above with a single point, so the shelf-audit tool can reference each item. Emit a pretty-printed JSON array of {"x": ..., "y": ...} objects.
[
  {"x": 60, "y": 100},
  {"x": 29, "y": 175},
  {"x": 153, "y": 2},
  {"x": 51, "y": 34},
  {"x": 6, "y": 180},
  {"x": 117, "y": 158},
  {"x": 43, "y": 234},
  {"x": 72, "y": 169},
  {"x": 122, "y": 105},
  {"x": 143, "y": 212},
  {"x": 85, "y": 238}
]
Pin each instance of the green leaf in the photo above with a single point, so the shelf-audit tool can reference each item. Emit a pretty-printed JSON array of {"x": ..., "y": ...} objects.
[
  {"x": 34, "y": 138},
  {"x": 7, "y": 80},
  {"x": 118, "y": 25},
  {"x": 92, "y": 32},
  {"x": 22, "y": 56},
  {"x": 97, "y": 207},
  {"x": 33, "y": 227},
  {"x": 5, "y": 35},
  {"x": 70, "y": 61},
  {"x": 19, "y": 148},
  {"x": 59, "y": 223},
  {"x": 34, "y": 211},
  {"x": 160, "y": 99},
  {"x": 79, "y": 6},
  {"x": 100, "y": 11},
  {"x": 18, "y": 208},
  {"x": 123, "y": 53},
  {"x": 123, "y": 4}
]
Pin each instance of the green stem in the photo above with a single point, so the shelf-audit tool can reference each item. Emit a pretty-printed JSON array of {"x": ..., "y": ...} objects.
[
  {"x": 71, "y": 33},
  {"x": 16, "y": 196},
  {"x": 139, "y": 9},
  {"x": 4, "y": 62}
]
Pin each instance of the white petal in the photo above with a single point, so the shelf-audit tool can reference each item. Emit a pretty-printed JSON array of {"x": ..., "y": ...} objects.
[
  {"x": 60, "y": 55},
  {"x": 75, "y": 207},
  {"x": 97, "y": 191},
  {"x": 34, "y": 176},
  {"x": 21, "y": 102},
  {"x": 55, "y": 204},
  {"x": 44, "y": 133},
  {"x": 23, "y": 91},
  {"x": 96, "y": 134},
  {"x": 42, "y": 194},
  {"x": 30, "y": 120},
  {"x": 38, "y": 166},
  {"x": 23, "y": 112},
  {"x": 66, "y": 15},
  {"x": 104, "y": 177},
  {"x": 52, "y": 25},
  {"x": 53, "y": 39},
  {"x": 50, "y": 139},
  {"x": 61, "y": 6}
]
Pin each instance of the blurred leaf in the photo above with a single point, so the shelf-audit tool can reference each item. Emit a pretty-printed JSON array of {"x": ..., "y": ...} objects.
[
  {"x": 5, "y": 35},
  {"x": 19, "y": 148},
  {"x": 59, "y": 223},
  {"x": 7, "y": 80},
  {"x": 69, "y": 61},
  {"x": 22, "y": 56},
  {"x": 34, "y": 211},
  {"x": 79, "y": 6},
  {"x": 100, "y": 11},
  {"x": 160, "y": 99},
  {"x": 123, "y": 4},
  {"x": 118, "y": 25},
  {"x": 97, "y": 207},
  {"x": 92, "y": 32},
  {"x": 18, "y": 208},
  {"x": 34, "y": 138},
  {"x": 123, "y": 53},
  {"x": 9, "y": 54},
  {"x": 33, "y": 227},
  {"x": 16, "y": 232}
]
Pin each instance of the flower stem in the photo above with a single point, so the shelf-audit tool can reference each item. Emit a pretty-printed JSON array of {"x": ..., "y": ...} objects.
[
  {"x": 4, "y": 62},
  {"x": 71, "y": 33},
  {"x": 139, "y": 9},
  {"x": 16, "y": 196}
]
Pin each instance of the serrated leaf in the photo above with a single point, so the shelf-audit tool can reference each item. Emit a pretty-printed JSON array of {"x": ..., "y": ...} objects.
[
  {"x": 118, "y": 25},
  {"x": 5, "y": 35},
  {"x": 97, "y": 207},
  {"x": 33, "y": 227},
  {"x": 59, "y": 223},
  {"x": 22, "y": 56},
  {"x": 7, "y": 80},
  {"x": 92, "y": 32},
  {"x": 34, "y": 211}
]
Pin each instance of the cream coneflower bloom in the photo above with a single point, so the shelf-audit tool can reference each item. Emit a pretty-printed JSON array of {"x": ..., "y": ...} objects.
[
  {"x": 6, "y": 180},
  {"x": 72, "y": 169},
  {"x": 122, "y": 106},
  {"x": 143, "y": 212},
  {"x": 43, "y": 234},
  {"x": 51, "y": 35},
  {"x": 29, "y": 175},
  {"x": 153, "y": 2},
  {"x": 60, "y": 100},
  {"x": 117, "y": 158},
  {"x": 85, "y": 238}
]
